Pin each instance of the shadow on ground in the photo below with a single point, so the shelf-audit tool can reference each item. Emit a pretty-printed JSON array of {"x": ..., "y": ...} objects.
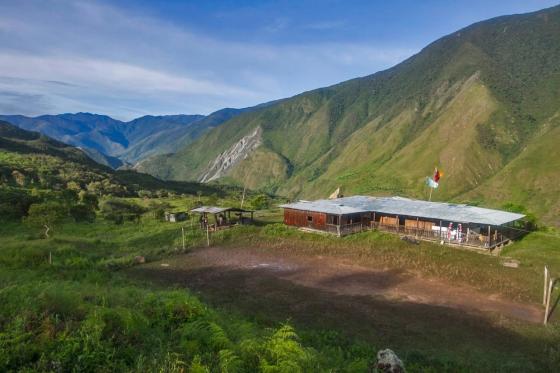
[{"x": 258, "y": 294}]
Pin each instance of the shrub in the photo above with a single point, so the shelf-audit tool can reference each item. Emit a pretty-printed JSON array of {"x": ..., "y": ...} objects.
[
  {"x": 118, "y": 211},
  {"x": 260, "y": 202},
  {"x": 82, "y": 213},
  {"x": 46, "y": 215},
  {"x": 89, "y": 199},
  {"x": 14, "y": 203}
]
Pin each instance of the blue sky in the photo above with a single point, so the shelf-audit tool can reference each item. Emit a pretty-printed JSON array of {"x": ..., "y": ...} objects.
[{"x": 131, "y": 58}]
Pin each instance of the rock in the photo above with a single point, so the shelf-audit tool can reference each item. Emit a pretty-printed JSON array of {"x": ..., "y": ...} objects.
[
  {"x": 411, "y": 240},
  {"x": 139, "y": 259},
  {"x": 389, "y": 362},
  {"x": 511, "y": 263},
  {"x": 235, "y": 154}
]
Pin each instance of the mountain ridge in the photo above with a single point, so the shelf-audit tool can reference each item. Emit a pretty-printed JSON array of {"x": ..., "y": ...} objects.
[
  {"x": 469, "y": 102},
  {"x": 117, "y": 143}
]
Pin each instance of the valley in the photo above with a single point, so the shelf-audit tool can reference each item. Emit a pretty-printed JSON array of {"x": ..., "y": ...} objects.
[{"x": 126, "y": 245}]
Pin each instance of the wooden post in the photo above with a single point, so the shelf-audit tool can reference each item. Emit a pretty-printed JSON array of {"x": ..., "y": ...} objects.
[
  {"x": 417, "y": 225},
  {"x": 550, "y": 284},
  {"x": 243, "y": 197},
  {"x": 397, "y": 224},
  {"x": 440, "y": 230},
  {"x": 489, "y": 236},
  {"x": 207, "y": 234},
  {"x": 183, "y": 236},
  {"x": 545, "y": 288}
]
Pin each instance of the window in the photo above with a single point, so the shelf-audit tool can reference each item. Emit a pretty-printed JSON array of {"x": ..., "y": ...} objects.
[{"x": 309, "y": 218}]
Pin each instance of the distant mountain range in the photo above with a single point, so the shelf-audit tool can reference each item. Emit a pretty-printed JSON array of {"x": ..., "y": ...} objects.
[
  {"x": 115, "y": 143},
  {"x": 32, "y": 160},
  {"x": 482, "y": 103}
]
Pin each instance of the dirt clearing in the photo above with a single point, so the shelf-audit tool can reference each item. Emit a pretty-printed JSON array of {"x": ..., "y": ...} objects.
[
  {"x": 345, "y": 278},
  {"x": 390, "y": 307}
]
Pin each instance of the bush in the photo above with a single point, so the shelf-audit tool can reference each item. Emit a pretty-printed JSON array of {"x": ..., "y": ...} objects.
[
  {"x": 46, "y": 215},
  {"x": 158, "y": 209},
  {"x": 118, "y": 211},
  {"x": 14, "y": 203},
  {"x": 260, "y": 202},
  {"x": 89, "y": 200},
  {"x": 82, "y": 213}
]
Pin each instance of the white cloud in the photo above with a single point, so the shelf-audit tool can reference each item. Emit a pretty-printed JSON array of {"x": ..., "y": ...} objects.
[{"x": 125, "y": 64}]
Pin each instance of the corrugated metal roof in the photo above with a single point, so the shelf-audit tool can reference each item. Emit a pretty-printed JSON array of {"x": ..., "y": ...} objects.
[
  {"x": 410, "y": 207},
  {"x": 210, "y": 209},
  {"x": 217, "y": 210},
  {"x": 328, "y": 206}
]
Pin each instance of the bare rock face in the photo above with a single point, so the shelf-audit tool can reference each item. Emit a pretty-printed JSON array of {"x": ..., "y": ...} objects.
[
  {"x": 389, "y": 362},
  {"x": 235, "y": 154}
]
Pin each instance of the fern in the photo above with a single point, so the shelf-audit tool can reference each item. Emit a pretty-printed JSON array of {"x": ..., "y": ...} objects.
[{"x": 229, "y": 361}]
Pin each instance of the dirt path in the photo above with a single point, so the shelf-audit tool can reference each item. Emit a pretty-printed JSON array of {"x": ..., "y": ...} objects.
[{"x": 337, "y": 276}]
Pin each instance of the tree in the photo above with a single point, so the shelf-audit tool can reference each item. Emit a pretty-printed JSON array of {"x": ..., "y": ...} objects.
[
  {"x": 82, "y": 213},
  {"x": 144, "y": 194},
  {"x": 14, "y": 203},
  {"x": 46, "y": 215},
  {"x": 158, "y": 209},
  {"x": 72, "y": 185},
  {"x": 260, "y": 202},
  {"x": 117, "y": 211},
  {"x": 89, "y": 199}
]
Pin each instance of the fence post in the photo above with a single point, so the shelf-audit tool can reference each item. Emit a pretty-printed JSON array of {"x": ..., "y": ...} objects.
[
  {"x": 183, "y": 236},
  {"x": 550, "y": 284},
  {"x": 545, "y": 280}
]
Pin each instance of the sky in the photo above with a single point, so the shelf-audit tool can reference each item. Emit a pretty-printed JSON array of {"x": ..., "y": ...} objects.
[{"x": 129, "y": 58}]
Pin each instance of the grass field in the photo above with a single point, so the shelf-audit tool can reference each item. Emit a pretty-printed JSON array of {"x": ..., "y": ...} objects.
[{"x": 84, "y": 312}]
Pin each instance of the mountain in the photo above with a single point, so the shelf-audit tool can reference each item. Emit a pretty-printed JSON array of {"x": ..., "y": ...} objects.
[
  {"x": 16, "y": 140},
  {"x": 32, "y": 160},
  {"x": 482, "y": 103},
  {"x": 115, "y": 143}
]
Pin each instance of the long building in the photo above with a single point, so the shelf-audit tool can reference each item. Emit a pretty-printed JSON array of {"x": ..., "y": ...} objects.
[{"x": 438, "y": 221}]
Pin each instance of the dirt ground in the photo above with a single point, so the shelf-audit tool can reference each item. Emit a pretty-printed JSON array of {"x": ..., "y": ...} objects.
[
  {"x": 345, "y": 278},
  {"x": 388, "y": 306}
]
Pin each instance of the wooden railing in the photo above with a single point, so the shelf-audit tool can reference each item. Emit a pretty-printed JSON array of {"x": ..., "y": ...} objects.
[
  {"x": 342, "y": 230},
  {"x": 466, "y": 238}
]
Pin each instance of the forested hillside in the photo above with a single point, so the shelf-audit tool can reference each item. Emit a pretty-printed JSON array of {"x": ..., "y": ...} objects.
[
  {"x": 482, "y": 104},
  {"x": 34, "y": 167}
]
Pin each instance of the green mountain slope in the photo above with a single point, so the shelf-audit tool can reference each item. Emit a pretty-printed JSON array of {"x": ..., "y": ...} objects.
[
  {"x": 472, "y": 103},
  {"x": 32, "y": 160}
]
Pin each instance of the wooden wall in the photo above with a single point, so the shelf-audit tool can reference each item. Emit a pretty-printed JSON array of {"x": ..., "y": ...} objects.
[
  {"x": 388, "y": 220},
  {"x": 299, "y": 218},
  {"x": 420, "y": 224}
]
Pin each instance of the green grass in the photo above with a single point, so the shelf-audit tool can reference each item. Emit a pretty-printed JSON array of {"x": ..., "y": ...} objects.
[{"x": 81, "y": 312}]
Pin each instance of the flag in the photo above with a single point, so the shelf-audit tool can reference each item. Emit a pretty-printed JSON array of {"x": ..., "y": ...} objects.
[
  {"x": 437, "y": 175},
  {"x": 431, "y": 183}
]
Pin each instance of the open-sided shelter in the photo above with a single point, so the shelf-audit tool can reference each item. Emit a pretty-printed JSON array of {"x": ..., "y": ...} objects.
[{"x": 222, "y": 216}]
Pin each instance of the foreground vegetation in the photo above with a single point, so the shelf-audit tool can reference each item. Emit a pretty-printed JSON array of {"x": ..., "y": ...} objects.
[{"x": 82, "y": 312}]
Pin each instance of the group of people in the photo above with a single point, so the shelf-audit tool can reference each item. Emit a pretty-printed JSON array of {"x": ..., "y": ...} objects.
[{"x": 220, "y": 220}]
